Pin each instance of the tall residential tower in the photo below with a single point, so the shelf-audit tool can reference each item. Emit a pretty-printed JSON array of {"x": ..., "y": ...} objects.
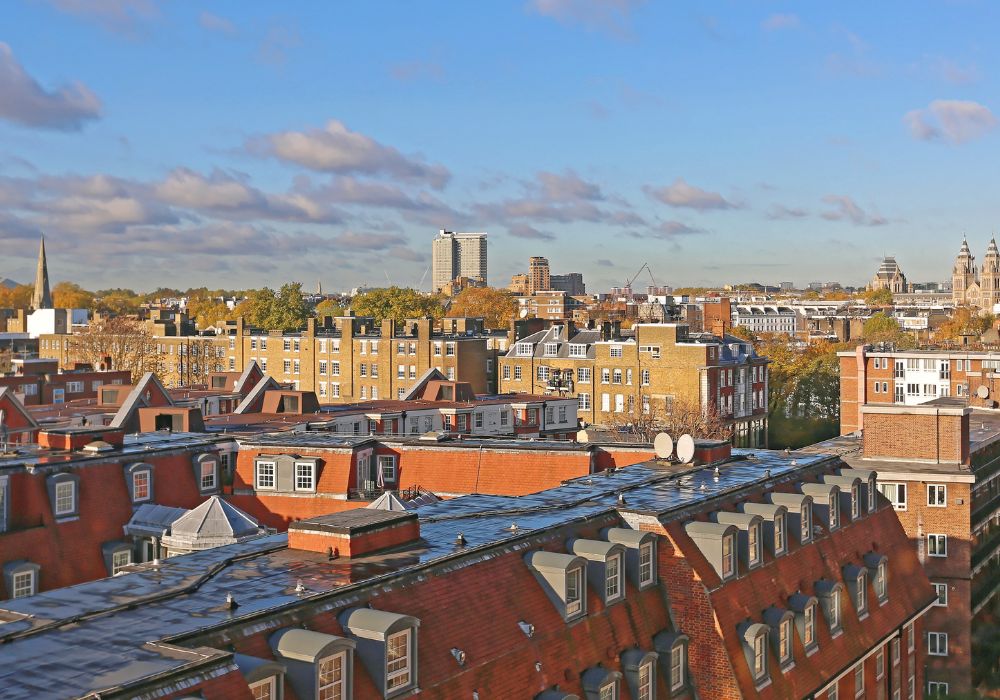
[{"x": 458, "y": 255}]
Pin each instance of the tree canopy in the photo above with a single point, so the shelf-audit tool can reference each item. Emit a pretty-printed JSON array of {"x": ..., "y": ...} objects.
[
  {"x": 878, "y": 297},
  {"x": 68, "y": 295},
  {"x": 964, "y": 321},
  {"x": 18, "y": 297},
  {"x": 883, "y": 328},
  {"x": 328, "y": 307},
  {"x": 397, "y": 303},
  {"x": 495, "y": 306},
  {"x": 284, "y": 309}
]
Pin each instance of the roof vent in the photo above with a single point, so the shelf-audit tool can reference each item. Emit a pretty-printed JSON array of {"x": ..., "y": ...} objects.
[{"x": 98, "y": 446}]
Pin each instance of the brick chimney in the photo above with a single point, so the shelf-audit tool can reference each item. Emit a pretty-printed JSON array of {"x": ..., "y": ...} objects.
[
  {"x": 931, "y": 434},
  {"x": 351, "y": 533}
]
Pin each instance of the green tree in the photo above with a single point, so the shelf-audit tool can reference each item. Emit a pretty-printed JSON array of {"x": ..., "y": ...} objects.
[
  {"x": 495, "y": 306},
  {"x": 208, "y": 311},
  {"x": 117, "y": 302},
  {"x": 397, "y": 303},
  {"x": 882, "y": 328},
  {"x": 328, "y": 307},
  {"x": 284, "y": 309},
  {"x": 878, "y": 297}
]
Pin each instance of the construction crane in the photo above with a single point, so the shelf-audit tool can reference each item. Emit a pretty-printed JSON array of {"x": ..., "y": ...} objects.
[{"x": 645, "y": 266}]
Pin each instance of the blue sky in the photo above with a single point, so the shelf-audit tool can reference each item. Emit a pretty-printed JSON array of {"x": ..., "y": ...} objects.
[{"x": 241, "y": 144}]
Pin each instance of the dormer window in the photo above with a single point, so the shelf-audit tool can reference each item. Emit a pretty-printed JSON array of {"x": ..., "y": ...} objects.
[
  {"x": 748, "y": 535},
  {"x": 804, "y": 609},
  {"x": 673, "y": 646},
  {"x": 855, "y": 502},
  {"x": 834, "y": 512},
  {"x": 753, "y": 544},
  {"x": 754, "y": 637},
  {"x": 139, "y": 481},
  {"x": 21, "y": 578},
  {"x": 604, "y": 566},
  {"x": 562, "y": 578},
  {"x": 779, "y": 534},
  {"x": 878, "y": 569},
  {"x": 826, "y": 497},
  {"x": 318, "y": 665},
  {"x": 640, "y": 554},
  {"x": 206, "y": 472},
  {"x": 64, "y": 495},
  {"x": 639, "y": 668},
  {"x": 387, "y": 645},
  {"x": 809, "y": 626},
  {"x": 728, "y": 556},
  {"x": 829, "y": 595},
  {"x": 780, "y": 621},
  {"x": 600, "y": 683}
]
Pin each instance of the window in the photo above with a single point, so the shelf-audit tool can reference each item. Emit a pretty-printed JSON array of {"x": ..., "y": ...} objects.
[
  {"x": 517, "y": 373},
  {"x": 937, "y": 495},
  {"x": 805, "y": 523},
  {"x": 855, "y": 502},
  {"x": 305, "y": 476},
  {"x": 678, "y": 666},
  {"x": 937, "y": 545},
  {"x": 861, "y": 596},
  {"x": 832, "y": 693},
  {"x": 859, "y": 680},
  {"x": 264, "y": 478},
  {"x": 207, "y": 480},
  {"x": 335, "y": 390},
  {"x": 937, "y": 688},
  {"x": 551, "y": 348},
  {"x": 140, "y": 486},
  {"x": 542, "y": 373},
  {"x": 645, "y": 563},
  {"x": 119, "y": 560},
  {"x": 479, "y": 417},
  {"x": 647, "y": 682},
  {"x": 506, "y": 371},
  {"x": 834, "y": 512},
  {"x": 583, "y": 401},
  {"x": 628, "y": 376},
  {"x": 615, "y": 351},
  {"x": 937, "y": 644},
  {"x": 728, "y": 556},
  {"x": 397, "y": 670},
  {"x": 335, "y": 368},
  {"x": 759, "y": 656},
  {"x": 265, "y": 689},
  {"x": 617, "y": 377},
  {"x": 504, "y": 418},
  {"x": 753, "y": 544},
  {"x": 287, "y": 344},
  {"x": 785, "y": 641},
  {"x": 322, "y": 366},
  {"x": 286, "y": 365},
  {"x": 609, "y": 691},
  {"x": 74, "y": 387},
  {"x": 880, "y": 664},
  {"x": 779, "y": 534},
  {"x": 23, "y": 584},
  {"x": 574, "y": 594},
  {"x": 331, "y": 682},
  {"x": 65, "y": 498},
  {"x": 881, "y": 580},
  {"x": 387, "y": 468},
  {"x": 895, "y": 493},
  {"x": 605, "y": 376},
  {"x": 809, "y": 625},
  {"x": 613, "y": 578},
  {"x": 911, "y": 688},
  {"x": 363, "y": 370},
  {"x": 941, "y": 589},
  {"x": 449, "y": 349}
]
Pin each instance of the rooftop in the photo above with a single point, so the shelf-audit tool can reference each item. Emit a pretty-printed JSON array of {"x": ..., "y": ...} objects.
[{"x": 110, "y": 622}]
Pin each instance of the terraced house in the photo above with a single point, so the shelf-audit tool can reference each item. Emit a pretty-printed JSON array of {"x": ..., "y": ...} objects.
[
  {"x": 759, "y": 576},
  {"x": 654, "y": 369}
]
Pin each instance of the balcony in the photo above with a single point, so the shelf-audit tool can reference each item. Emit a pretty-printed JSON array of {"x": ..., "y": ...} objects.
[
  {"x": 984, "y": 586},
  {"x": 987, "y": 547}
]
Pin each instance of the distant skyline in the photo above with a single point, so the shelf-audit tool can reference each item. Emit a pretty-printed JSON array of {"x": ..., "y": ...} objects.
[{"x": 233, "y": 144}]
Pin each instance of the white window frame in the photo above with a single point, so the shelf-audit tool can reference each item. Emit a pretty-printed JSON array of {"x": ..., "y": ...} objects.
[
  {"x": 880, "y": 664},
  {"x": 759, "y": 657},
  {"x": 574, "y": 591},
  {"x": 382, "y": 463},
  {"x": 116, "y": 562},
  {"x": 937, "y": 496},
  {"x": 809, "y": 625},
  {"x": 728, "y": 559},
  {"x": 645, "y": 563},
  {"x": 779, "y": 535},
  {"x": 859, "y": 680},
  {"x": 753, "y": 544},
  {"x": 646, "y": 686},
  {"x": 678, "y": 666},
  {"x": 613, "y": 578},
  {"x": 147, "y": 475},
  {"x": 937, "y": 641},
  {"x": 941, "y": 548},
  {"x": 942, "y": 601},
  {"x": 403, "y": 671},
  {"x": 59, "y": 506},
  {"x": 805, "y": 523},
  {"x": 261, "y": 485},
  {"x": 305, "y": 480},
  {"x": 208, "y": 481},
  {"x": 333, "y": 684},
  {"x": 897, "y": 488},
  {"x": 20, "y": 589}
]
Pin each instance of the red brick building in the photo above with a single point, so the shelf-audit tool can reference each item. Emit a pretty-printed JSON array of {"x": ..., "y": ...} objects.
[
  {"x": 39, "y": 382},
  {"x": 766, "y": 577}
]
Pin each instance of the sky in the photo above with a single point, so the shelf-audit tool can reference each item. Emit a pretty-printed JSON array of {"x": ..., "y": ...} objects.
[{"x": 242, "y": 144}]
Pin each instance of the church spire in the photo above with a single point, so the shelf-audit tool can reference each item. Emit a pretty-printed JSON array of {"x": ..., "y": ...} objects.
[{"x": 41, "y": 298}]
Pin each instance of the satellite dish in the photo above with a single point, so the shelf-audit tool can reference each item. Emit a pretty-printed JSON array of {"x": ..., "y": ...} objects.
[
  {"x": 663, "y": 445},
  {"x": 522, "y": 313},
  {"x": 582, "y": 436},
  {"x": 983, "y": 391},
  {"x": 685, "y": 448}
]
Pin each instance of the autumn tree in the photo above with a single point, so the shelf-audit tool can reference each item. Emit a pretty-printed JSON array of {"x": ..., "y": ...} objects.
[
  {"x": 495, "y": 306},
  {"x": 117, "y": 302},
  {"x": 328, "y": 307},
  {"x": 883, "y": 328},
  {"x": 878, "y": 297},
  {"x": 964, "y": 321},
  {"x": 397, "y": 303},
  {"x": 208, "y": 311},
  {"x": 678, "y": 417},
  {"x": 68, "y": 295},
  {"x": 18, "y": 297},
  {"x": 126, "y": 342}
]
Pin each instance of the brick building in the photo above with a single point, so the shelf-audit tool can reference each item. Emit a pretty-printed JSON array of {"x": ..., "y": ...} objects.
[
  {"x": 651, "y": 371},
  {"x": 776, "y": 577},
  {"x": 554, "y": 305},
  {"x": 38, "y": 381},
  {"x": 937, "y": 463}
]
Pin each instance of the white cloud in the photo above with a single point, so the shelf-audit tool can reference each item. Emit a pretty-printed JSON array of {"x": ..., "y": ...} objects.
[
  {"x": 846, "y": 209},
  {"x": 957, "y": 121},
  {"x": 610, "y": 16},
  {"x": 337, "y": 149},
  {"x": 681, "y": 194},
  {"x": 23, "y": 101},
  {"x": 779, "y": 21},
  {"x": 119, "y": 16},
  {"x": 216, "y": 23}
]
